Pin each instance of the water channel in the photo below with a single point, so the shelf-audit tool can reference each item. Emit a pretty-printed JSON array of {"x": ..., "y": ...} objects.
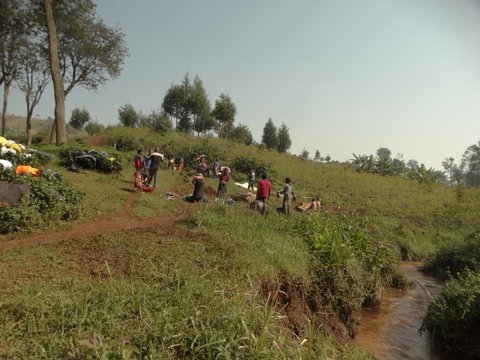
[{"x": 391, "y": 331}]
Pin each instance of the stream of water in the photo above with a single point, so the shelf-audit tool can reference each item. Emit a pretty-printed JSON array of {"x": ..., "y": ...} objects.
[{"x": 391, "y": 331}]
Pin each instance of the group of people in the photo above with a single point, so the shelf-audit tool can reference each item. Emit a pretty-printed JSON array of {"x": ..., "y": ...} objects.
[
  {"x": 173, "y": 165},
  {"x": 147, "y": 168},
  {"x": 264, "y": 189},
  {"x": 199, "y": 183},
  {"x": 289, "y": 197}
]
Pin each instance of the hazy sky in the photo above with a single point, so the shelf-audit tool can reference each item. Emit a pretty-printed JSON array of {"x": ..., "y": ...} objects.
[{"x": 345, "y": 76}]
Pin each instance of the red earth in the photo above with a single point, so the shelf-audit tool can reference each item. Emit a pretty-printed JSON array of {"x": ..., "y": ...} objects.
[{"x": 121, "y": 221}]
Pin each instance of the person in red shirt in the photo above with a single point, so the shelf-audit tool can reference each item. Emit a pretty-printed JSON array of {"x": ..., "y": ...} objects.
[
  {"x": 264, "y": 188},
  {"x": 223, "y": 180}
]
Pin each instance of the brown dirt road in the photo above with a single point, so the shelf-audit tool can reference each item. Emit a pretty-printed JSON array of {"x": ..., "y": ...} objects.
[{"x": 121, "y": 221}]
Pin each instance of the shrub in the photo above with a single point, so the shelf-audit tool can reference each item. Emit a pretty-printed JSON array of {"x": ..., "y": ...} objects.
[
  {"x": 48, "y": 200},
  {"x": 452, "y": 318},
  {"x": 126, "y": 143},
  {"x": 456, "y": 256},
  {"x": 94, "y": 128},
  {"x": 244, "y": 164},
  {"x": 352, "y": 263}
]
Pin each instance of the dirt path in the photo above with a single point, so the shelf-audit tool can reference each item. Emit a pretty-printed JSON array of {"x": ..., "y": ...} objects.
[{"x": 122, "y": 221}]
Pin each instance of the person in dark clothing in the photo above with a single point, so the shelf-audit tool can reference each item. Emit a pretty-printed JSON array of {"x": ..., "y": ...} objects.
[
  {"x": 156, "y": 159},
  {"x": 198, "y": 186}
]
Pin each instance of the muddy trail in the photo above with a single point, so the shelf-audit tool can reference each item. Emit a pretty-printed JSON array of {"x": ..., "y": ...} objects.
[{"x": 122, "y": 221}]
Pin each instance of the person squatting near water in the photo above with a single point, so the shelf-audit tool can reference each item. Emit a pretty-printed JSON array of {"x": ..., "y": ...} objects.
[{"x": 264, "y": 188}]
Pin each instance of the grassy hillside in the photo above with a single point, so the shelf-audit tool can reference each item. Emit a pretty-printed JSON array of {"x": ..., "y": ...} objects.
[
  {"x": 419, "y": 216},
  {"x": 16, "y": 129},
  {"x": 215, "y": 280}
]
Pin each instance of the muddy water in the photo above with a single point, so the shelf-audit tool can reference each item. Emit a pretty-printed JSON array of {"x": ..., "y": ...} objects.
[{"x": 391, "y": 332}]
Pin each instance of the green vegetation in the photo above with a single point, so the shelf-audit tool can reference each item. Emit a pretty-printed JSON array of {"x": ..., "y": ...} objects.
[
  {"x": 453, "y": 317},
  {"x": 223, "y": 282},
  {"x": 48, "y": 200},
  {"x": 351, "y": 265},
  {"x": 453, "y": 258}
]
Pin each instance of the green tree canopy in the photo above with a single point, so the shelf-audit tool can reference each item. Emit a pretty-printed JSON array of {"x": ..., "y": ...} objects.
[
  {"x": 471, "y": 165},
  {"x": 94, "y": 128},
  {"x": 185, "y": 122},
  {"x": 284, "y": 142},
  {"x": 157, "y": 120},
  {"x": 15, "y": 29},
  {"x": 269, "y": 137},
  {"x": 203, "y": 121},
  {"x": 174, "y": 103},
  {"x": 33, "y": 77},
  {"x": 79, "y": 118},
  {"x": 454, "y": 172},
  {"x": 177, "y": 103},
  {"x": 384, "y": 154},
  {"x": 82, "y": 50},
  {"x": 305, "y": 155},
  {"x": 128, "y": 116},
  {"x": 224, "y": 112},
  {"x": 242, "y": 134},
  {"x": 91, "y": 53}
]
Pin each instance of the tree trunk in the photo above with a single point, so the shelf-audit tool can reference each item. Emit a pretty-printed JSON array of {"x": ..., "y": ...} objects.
[
  {"x": 52, "y": 133},
  {"x": 6, "y": 90},
  {"x": 29, "y": 126},
  {"x": 60, "y": 125}
]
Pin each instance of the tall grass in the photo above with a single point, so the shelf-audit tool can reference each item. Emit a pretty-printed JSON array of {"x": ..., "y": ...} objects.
[
  {"x": 143, "y": 295},
  {"x": 352, "y": 264},
  {"x": 453, "y": 317}
]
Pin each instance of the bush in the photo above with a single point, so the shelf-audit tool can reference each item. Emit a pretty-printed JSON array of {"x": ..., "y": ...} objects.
[
  {"x": 126, "y": 143},
  {"x": 94, "y": 128},
  {"x": 454, "y": 316},
  {"x": 48, "y": 200},
  {"x": 244, "y": 165},
  {"x": 454, "y": 257},
  {"x": 352, "y": 264}
]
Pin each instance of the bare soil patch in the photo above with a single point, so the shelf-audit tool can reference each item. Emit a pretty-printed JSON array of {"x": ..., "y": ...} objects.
[
  {"x": 301, "y": 306},
  {"x": 122, "y": 221}
]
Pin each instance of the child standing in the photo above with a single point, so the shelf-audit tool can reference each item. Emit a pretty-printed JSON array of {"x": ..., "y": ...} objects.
[
  {"x": 251, "y": 180},
  {"x": 287, "y": 193}
]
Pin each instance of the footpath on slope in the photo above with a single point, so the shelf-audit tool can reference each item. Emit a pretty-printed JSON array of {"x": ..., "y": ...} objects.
[{"x": 121, "y": 221}]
